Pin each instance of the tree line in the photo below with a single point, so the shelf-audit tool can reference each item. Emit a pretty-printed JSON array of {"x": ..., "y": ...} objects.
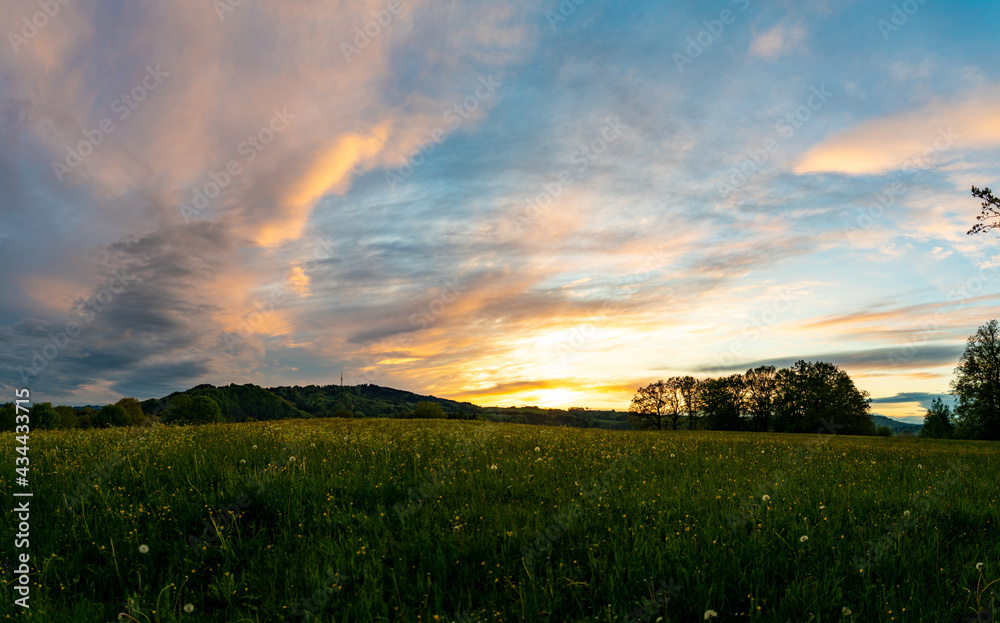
[
  {"x": 804, "y": 398},
  {"x": 819, "y": 396}
]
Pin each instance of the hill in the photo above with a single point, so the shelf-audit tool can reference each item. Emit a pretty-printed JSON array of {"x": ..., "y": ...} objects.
[{"x": 896, "y": 426}]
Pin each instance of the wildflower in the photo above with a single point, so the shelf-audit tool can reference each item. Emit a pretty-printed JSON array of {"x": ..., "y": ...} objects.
[
  {"x": 144, "y": 549},
  {"x": 255, "y": 446},
  {"x": 803, "y": 538},
  {"x": 537, "y": 449},
  {"x": 672, "y": 455},
  {"x": 189, "y": 608},
  {"x": 979, "y": 566},
  {"x": 765, "y": 497},
  {"x": 291, "y": 459},
  {"x": 493, "y": 467},
  {"x": 822, "y": 507},
  {"x": 920, "y": 466},
  {"x": 710, "y": 614},
  {"x": 845, "y": 611}
]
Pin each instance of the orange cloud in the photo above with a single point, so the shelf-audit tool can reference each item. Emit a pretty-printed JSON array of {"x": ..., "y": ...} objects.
[{"x": 912, "y": 140}]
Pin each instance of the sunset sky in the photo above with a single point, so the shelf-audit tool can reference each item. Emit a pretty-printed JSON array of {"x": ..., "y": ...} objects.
[{"x": 501, "y": 202}]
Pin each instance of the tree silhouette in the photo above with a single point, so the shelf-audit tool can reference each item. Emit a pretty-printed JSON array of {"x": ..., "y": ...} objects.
[
  {"x": 991, "y": 210},
  {"x": 937, "y": 421},
  {"x": 977, "y": 385},
  {"x": 651, "y": 403}
]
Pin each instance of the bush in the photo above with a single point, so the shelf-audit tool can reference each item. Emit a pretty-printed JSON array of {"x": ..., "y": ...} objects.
[
  {"x": 883, "y": 431},
  {"x": 204, "y": 410},
  {"x": 110, "y": 415},
  {"x": 43, "y": 416},
  {"x": 344, "y": 413},
  {"x": 428, "y": 410}
]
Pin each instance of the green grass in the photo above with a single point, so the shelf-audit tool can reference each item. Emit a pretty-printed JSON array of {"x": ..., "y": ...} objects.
[{"x": 587, "y": 528}]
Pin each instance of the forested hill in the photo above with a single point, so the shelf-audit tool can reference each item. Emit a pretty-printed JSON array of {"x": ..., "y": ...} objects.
[
  {"x": 364, "y": 401},
  {"x": 242, "y": 403}
]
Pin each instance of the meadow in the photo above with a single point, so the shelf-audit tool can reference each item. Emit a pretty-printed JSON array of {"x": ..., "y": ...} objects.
[{"x": 460, "y": 521}]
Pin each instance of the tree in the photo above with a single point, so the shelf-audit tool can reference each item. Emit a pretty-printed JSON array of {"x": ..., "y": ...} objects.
[
  {"x": 883, "y": 431},
  {"x": 977, "y": 384},
  {"x": 722, "y": 402},
  {"x": 134, "y": 410},
  {"x": 8, "y": 417},
  {"x": 178, "y": 410},
  {"x": 651, "y": 403},
  {"x": 761, "y": 386},
  {"x": 690, "y": 390},
  {"x": 110, "y": 415},
  {"x": 937, "y": 421},
  {"x": 204, "y": 410},
  {"x": 345, "y": 413},
  {"x": 991, "y": 210},
  {"x": 819, "y": 397},
  {"x": 68, "y": 417},
  {"x": 43, "y": 416},
  {"x": 430, "y": 410}
]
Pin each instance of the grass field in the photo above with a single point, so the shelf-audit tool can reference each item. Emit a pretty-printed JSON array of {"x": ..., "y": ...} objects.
[{"x": 416, "y": 520}]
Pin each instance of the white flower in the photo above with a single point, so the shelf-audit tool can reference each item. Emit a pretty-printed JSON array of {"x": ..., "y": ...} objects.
[
  {"x": 845, "y": 611},
  {"x": 710, "y": 614},
  {"x": 979, "y": 566},
  {"x": 143, "y": 549},
  {"x": 920, "y": 466},
  {"x": 822, "y": 507},
  {"x": 672, "y": 455},
  {"x": 255, "y": 446},
  {"x": 493, "y": 467},
  {"x": 291, "y": 459},
  {"x": 803, "y": 539},
  {"x": 189, "y": 608},
  {"x": 537, "y": 449},
  {"x": 765, "y": 497}
]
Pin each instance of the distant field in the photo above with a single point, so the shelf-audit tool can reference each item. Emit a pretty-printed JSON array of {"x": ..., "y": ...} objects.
[{"x": 570, "y": 525}]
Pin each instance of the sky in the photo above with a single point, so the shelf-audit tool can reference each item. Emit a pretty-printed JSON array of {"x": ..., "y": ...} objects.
[{"x": 546, "y": 203}]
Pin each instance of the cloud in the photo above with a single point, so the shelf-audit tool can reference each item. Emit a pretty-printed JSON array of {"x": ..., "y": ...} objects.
[
  {"x": 776, "y": 41},
  {"x": 925, "y": 356},
  {"x": 918, "y": 139}
]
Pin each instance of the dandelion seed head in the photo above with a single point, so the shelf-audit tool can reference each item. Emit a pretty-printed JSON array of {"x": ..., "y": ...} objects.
[
  {"x": 803, "y": 538},
  {"x": 189, "y": 608},
  {"x": 143, "y": 549}
]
